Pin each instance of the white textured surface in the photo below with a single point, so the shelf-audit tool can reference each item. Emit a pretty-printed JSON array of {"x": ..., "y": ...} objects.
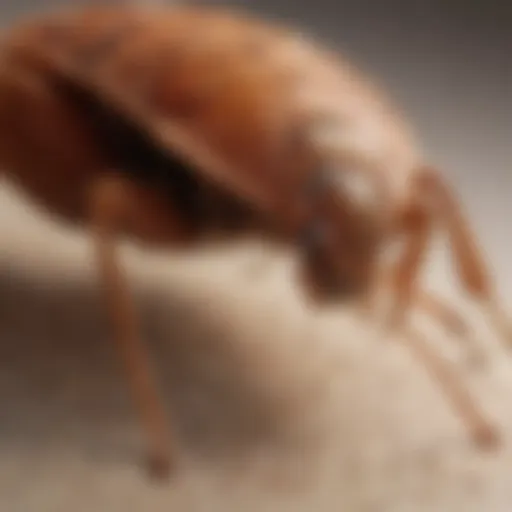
[{"x": 277, "y": 409}]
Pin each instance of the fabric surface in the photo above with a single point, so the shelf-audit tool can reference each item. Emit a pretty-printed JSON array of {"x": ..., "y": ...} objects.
[{"x": 276, "y": 407}]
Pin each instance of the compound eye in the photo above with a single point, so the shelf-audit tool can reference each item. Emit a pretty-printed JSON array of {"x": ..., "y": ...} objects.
[{"x": 315, "y": 236}]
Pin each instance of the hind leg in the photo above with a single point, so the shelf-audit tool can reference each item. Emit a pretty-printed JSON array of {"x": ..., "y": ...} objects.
[{"x": 118, "y": 205}]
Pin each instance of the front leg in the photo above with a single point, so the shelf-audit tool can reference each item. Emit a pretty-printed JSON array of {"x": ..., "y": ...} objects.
[
  {"x": 119, "y": 205},
  {"x": 468, "y": 260},
  {"x": 416, "y": 221}
]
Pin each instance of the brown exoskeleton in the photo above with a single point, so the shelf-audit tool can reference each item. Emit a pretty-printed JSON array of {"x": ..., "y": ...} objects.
[{"x": 173, "y": 124}]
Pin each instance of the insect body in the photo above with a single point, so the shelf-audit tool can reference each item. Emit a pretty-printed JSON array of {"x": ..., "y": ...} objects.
[{"x": 176, "y": 124}]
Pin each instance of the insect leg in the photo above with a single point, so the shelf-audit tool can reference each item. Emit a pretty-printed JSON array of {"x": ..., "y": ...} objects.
[
  {"x": 418, "y": 223},
  {"x": 442, "y": 311},
  {"x": 433, "y": 306},
  {"x": 483, "y": 433},
  {"x": 117, "y": 204},
  {"x": 467, "y": 258},
  {"x": 415, "y": 224}
]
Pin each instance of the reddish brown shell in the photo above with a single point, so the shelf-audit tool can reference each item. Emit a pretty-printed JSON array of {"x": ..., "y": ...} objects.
[
  {"x": 212, "y": 85},
  {"x": 156, "y": 69}
]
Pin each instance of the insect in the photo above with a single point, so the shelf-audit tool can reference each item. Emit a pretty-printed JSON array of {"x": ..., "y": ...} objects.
[{"x": 175, "y": 124}]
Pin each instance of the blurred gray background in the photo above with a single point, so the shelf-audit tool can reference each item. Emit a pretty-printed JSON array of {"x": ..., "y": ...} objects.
[{"x": 277, "y": 409}]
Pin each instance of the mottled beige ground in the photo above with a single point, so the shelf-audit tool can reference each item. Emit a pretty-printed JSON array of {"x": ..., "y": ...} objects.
[{"x": 276, "y": 408}]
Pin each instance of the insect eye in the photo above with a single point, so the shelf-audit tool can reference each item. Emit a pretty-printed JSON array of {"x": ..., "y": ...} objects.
[{"x": 315, "y": 236}]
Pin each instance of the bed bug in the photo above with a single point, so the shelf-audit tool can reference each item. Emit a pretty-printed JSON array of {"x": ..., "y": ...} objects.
[{"x": 173, "y": 125}]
